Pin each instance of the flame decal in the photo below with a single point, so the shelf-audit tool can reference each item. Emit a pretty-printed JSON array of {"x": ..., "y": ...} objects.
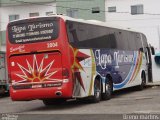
[{"x": 78, "y": 57}]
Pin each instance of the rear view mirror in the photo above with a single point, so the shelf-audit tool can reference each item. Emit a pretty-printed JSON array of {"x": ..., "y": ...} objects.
[
  {"x": 157, "y": 58},
  {"x": 152, "y": 50}
]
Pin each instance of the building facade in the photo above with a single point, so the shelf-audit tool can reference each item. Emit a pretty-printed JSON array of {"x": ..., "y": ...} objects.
[
  {"x": 17, "y": 9},
  {"x": 141, "y": 15},
  {"x": 13, "y": 10},
  {"x": 83, "y": 9}
]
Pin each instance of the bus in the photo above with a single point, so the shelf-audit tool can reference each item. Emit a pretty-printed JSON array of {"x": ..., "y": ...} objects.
[
  {"x": 56, "y": 58},
  {"x": 4, "y": 85}
]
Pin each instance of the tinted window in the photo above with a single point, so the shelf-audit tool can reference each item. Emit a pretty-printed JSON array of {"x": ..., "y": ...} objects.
[
  {"x": 84, "y": 35},
  {"x": 144, "y": 39},
  {"x": 122, "y": 40},
  {"x": 90, "y": 36},
  {"x": 138, "y": 39},
  {"x": 131, "y": 41},
  {"x": 33, "y": 30}
]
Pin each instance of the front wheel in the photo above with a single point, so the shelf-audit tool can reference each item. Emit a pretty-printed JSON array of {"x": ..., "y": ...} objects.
[{"x": 143, "y": 82}]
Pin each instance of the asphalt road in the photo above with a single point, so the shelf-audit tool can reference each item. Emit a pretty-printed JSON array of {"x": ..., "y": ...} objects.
[{"x": 123, "y": 105}]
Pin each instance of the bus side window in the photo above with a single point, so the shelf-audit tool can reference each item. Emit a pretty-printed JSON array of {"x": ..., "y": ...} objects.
[
  {"x": 72, "y": 33},
  {"x": 82, "y": 31},
  {"x": 138, "y": 41},
  {"x": 132, "y": 43},
  {"x": 112, "y": 41},
  {"x": 121, "y": 40}
]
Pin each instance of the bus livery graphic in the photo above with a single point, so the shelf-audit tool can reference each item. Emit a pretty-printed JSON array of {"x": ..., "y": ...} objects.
[{"x": 36, "y": 73}]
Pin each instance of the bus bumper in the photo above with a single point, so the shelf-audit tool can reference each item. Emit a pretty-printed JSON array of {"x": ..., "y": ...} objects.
[{"x": 40, "y": 93}]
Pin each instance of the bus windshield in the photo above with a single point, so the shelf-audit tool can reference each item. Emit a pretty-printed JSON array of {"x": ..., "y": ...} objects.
[{"x": 33, "y": 30}]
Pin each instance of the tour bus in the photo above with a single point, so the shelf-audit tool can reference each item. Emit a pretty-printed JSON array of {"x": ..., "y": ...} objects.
[
  {"x": 4, "y": 86},
  {"x": 56, "y": 58}
]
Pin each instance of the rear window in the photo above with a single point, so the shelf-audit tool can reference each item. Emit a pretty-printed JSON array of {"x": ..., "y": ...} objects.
[{"x": 33, "y": 30}]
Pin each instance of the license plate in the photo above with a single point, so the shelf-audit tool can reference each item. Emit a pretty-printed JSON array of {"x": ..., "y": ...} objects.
[{"x": 36, "y": 86}]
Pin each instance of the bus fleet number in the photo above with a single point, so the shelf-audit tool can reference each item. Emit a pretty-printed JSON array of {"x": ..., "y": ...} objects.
[{"x": 51, "y": 45}]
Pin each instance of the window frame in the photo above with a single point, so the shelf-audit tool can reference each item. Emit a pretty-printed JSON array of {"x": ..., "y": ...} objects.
[
  {"x": 14, "y": 17},
  {"x": 34, "y": 14},
  {"x": 112, "y": 9},
  {"x": 72, "y": 12},
  {"x": 95, "y": 10},
  {"x": 137, "y": 9},
  {"x": 49, "y": 12}
]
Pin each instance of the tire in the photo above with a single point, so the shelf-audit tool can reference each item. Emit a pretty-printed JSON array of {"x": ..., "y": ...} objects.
[
  {"x": 49, "y": 102},
  {"x": 97, "y": 91},
  {"x": 108, "y": 90},
  {"x": 143, "y": 82},
  {"x": 2, "y": 90}
]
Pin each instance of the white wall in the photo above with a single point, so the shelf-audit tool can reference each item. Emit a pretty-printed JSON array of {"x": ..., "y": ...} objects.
[
  {"x": 24, "y": 11},
  {"x": 148, "y": 24}
]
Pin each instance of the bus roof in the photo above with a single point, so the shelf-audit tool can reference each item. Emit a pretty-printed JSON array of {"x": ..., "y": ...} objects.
[{"x": 93, "y": 22}]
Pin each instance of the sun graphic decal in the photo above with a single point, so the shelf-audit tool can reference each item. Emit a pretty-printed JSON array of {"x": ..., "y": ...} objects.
[
  {"x": 78, "y": 57},
  {"x": 35, "y": 72}
]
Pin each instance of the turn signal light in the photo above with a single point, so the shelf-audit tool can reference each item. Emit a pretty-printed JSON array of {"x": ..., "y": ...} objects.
[{"x": 65, "y": 73}]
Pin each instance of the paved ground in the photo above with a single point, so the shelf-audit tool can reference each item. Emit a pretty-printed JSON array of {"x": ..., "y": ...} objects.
[{"x": 125, "y": 102}]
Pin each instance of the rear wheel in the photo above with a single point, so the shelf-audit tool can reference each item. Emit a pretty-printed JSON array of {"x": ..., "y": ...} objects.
[
  {"x": 108, "y": 90},
  {"x": 97, "y": 91}
]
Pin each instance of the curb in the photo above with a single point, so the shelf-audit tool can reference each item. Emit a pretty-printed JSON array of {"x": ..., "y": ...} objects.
[{"x": 153, "y": 84}]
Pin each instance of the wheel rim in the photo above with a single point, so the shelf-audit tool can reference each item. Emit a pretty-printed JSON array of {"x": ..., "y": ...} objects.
[
  {"x": 97, "y": 89},
  {"x": 143, "y": 81},
  {"x": 109, "y": 87}
]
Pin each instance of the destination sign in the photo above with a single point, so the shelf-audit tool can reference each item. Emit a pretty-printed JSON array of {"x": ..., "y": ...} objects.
[{"x": 30, "y": 32}]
